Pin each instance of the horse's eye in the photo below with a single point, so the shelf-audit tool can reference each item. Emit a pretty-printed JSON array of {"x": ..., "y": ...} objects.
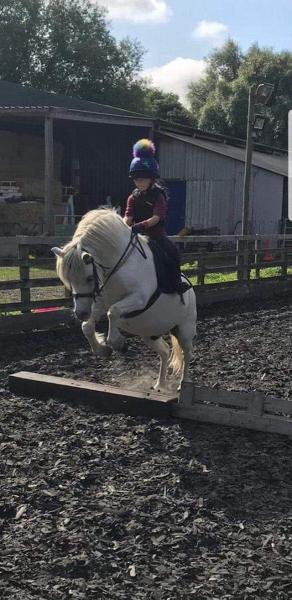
[{"x": 89, "y": 279}]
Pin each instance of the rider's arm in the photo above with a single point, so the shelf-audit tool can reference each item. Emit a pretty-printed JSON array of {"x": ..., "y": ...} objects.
[
  {"x": 152, "y": 221},
  {"x": 128, "y": 220},
  {"x": 129, "y": 214},
  {"x": 159, "y": 213}
]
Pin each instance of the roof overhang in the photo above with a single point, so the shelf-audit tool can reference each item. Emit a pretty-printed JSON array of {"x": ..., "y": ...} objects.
[
  {"x": 75, "y": 115},
  {"x": 268, "y": 162}
]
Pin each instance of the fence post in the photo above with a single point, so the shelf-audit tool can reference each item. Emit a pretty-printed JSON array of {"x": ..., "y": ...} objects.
[
  {"x": 201, "y": 268},
  {"x": 257, "y": 257},
  {"x": 239, "y": 259},
  {"x": 284, "y": 260},
  {"x": 23, "y": 252},
  {"x": 243, "y": 270}
]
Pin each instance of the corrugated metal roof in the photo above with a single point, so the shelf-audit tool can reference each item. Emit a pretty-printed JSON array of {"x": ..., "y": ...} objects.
[
  {"x": 269, "y": 162},
  {"x": 16, "y": 96}
]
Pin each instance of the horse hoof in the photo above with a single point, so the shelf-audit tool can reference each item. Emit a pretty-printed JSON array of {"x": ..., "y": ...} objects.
[
  {"x": 158, "y": 387},
  {"x": 105, "y": 351},
  {"x": 125, "y": 348},
  {"x": 118, "y": 345}
]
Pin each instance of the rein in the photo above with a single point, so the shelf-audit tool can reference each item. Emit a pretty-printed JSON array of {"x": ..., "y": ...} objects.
[{"x": 97, "y": 290}]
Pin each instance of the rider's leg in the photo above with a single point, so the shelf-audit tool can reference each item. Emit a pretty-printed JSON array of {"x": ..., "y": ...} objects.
[{"x": 175, "y": 273}]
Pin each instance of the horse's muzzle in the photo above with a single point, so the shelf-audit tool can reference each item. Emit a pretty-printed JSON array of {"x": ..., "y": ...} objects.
[{"x": 82, "y": 315}]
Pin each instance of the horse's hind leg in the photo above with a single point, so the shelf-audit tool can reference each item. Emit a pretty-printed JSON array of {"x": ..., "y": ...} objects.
[
  {"x": 185, "y": 335},
  {"x": 162, "y": 348}
]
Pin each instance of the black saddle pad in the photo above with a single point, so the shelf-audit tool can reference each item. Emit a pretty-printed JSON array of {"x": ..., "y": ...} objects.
[{"x": 164, "y": 268}]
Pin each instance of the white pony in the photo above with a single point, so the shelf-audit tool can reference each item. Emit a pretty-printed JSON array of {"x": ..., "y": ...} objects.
[{"x": 111, "y": 272}]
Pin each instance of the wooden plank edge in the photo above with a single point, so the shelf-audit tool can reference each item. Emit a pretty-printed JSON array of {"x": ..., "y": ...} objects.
[
  {"x": 192, "y": 394},
  {"x": 105, "y": 398},
  {"x": 233, "y": 418}
]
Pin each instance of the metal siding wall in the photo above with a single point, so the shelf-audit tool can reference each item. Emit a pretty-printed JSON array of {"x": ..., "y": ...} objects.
[
  {"x": 195, "y": 163},
  {"x": 215, "y": 188},
  {"x": 211, "y": 188},
  {"x": 199, "y": 203},
  {"x": 172, "y": 159},
  {"x": 237, "y": 197},
  {"x": 267, "y": 201}
]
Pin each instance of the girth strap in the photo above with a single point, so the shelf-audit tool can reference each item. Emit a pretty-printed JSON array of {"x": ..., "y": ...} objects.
[{"x": 136, "y": 313}]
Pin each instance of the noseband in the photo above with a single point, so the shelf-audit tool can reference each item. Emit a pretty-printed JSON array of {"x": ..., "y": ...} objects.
[{"x": 97, "y": 290}]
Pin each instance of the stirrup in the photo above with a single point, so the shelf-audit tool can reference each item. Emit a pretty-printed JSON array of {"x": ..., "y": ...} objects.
[{"x": 183, "y": 287}]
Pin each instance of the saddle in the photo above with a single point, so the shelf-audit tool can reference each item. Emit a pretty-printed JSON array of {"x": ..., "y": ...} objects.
[{"x": 165, "y": 280}]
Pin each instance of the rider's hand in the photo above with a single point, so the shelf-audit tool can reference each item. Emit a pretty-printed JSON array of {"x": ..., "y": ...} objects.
[{"x": 138, "y": 228}]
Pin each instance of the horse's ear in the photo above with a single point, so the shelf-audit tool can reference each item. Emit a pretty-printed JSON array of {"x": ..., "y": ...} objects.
[
  {"x": 57, "y": 251},
  {"x": 86, "y": 257}
]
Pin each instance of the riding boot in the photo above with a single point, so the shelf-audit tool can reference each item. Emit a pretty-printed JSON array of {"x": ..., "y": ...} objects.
[{"x": 180, "y": 286}]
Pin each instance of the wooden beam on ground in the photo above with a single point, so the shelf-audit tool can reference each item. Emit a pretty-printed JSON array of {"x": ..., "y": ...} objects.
[
  {"x": 104, "y": 398},
  {"x": 250, "y": 410}
]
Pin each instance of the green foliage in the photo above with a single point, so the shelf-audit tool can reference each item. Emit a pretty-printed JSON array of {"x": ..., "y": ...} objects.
[
  {"x": 219, "y": 99},
  {"x": 167, "y": 106},
  {"x": 66, "y": 46},
  {"x": 20, "y": 38}
]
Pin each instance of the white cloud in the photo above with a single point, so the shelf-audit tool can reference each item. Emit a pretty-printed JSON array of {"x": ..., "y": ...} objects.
[
  {"x": 139, "y": 11},
  {"x": 210, "y": 30},
  {"x": 175, "y": 75}
]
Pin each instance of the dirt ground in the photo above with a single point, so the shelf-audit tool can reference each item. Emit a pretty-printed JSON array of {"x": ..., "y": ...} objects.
[{"x": 107, "y": 507}]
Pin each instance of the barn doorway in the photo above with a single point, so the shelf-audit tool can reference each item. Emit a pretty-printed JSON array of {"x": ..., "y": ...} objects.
[{"x": 176, "y": 205}]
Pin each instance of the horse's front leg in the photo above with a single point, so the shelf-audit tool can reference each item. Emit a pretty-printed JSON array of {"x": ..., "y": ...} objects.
[
  {"x": 116, "y": 311},
  {"x": 95, "y": 340}
]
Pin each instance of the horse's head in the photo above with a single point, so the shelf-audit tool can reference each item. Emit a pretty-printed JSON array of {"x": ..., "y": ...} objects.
[
  {"x": 103, "y": 234},
  {"x": 75, "y": 267}
]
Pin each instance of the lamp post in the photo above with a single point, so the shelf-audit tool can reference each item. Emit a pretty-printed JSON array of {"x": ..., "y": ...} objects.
[{"x": 260, "y": 95}]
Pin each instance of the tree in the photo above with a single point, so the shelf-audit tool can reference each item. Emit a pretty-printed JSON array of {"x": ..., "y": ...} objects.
[
  {"x": 219, "y": 100},
  {"x": 19, "y": 39},
  {"x": 222, "y": 68},
  {"x": 167, "y": 106},
  {"x": 66, "y": 46}
]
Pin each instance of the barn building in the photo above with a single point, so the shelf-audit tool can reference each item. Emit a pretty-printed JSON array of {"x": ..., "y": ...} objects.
[
  {"x": 50, "y": 143},
  {"x": 204, "y": 175}
]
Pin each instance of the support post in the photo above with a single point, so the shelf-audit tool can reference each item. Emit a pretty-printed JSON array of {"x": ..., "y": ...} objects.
[
  {"x": 201, "y": 267},
  {"x": 257, "y": 258},
  {"x": 49, "y": 176},
  {"x": 24, "y": 274},
  {"x": 248, "y": 163}
]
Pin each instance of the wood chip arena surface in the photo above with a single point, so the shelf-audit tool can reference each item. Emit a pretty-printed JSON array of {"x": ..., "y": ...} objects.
[{"x": 105, "y": 507}]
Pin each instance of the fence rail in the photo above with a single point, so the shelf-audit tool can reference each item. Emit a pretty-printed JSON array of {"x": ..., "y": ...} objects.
[{"x": 235, "y": 264}]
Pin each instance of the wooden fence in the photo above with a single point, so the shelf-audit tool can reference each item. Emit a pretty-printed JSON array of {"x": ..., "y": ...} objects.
[{"x": 248, "y": 261}]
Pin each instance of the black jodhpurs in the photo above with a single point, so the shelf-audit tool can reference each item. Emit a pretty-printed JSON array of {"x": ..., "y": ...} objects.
[{"x": 172, "y": 252}]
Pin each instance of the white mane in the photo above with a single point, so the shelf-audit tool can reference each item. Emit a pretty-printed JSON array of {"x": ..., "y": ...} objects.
[
  {"x": 97, "y": 229},
  {"x": 100, "y": 227}
]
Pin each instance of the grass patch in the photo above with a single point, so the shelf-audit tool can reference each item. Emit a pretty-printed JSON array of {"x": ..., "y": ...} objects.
[
  {"x": 12, "y": 273},
  {"x": 189, "y": 266},
  {"x": 213, "y": 278}
]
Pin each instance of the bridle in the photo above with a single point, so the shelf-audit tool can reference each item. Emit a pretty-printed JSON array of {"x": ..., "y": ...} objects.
[{"x": 98, "y": 289}]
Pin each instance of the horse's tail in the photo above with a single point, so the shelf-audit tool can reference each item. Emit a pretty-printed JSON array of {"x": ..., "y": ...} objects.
[{"x": 176, "y": 357}]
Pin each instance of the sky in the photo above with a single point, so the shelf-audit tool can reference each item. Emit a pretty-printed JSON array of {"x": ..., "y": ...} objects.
[{"x": 178, "y": 34}]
